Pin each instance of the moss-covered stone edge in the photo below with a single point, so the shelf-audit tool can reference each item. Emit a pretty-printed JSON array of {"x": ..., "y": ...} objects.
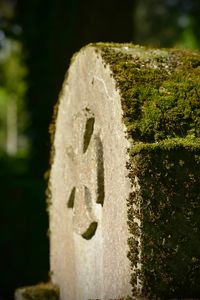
[
  {"x": 41, "y": 291},
  {"x": 159, "y": 88},
  {"x": 191, "y": 132},
  {"x": 168, "y": 198},
  {"x": 160, "y": 103},
  {"x": 123, "y": 66},
  {"x": 170, "y": 144}
]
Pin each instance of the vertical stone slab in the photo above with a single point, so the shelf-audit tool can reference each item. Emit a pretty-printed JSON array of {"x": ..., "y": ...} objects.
[
  {"x": 121, "y": 108},
  {"x": 89, "y": 185}
]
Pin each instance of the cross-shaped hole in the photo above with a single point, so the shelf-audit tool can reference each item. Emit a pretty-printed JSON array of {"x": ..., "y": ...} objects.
[
  {"x": 89, "y": 128},
  {"x": 88, "y": 187}
]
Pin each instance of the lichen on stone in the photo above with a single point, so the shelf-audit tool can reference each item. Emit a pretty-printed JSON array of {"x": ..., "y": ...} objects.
[{"x": 170, "y": 213}]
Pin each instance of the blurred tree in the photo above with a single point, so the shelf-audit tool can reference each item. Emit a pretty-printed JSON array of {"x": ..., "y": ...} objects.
[
  {"x": 167, "y": 23},
  {"x": 196, "y": 20},
  {"x": 13, "y": 115},
  {"x": 52, "y": 32},
  {"x": 23, "y": 240},
  {"x": 190, "y": 36},
  {"x": 8, "y": 25}
]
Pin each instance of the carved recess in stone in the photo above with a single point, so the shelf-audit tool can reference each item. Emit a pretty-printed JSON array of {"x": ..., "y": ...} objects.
[{"x": 87, "y": 159}]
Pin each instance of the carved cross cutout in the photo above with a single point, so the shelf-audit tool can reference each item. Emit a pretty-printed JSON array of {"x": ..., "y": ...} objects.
[{"x": 86, "y": 155}]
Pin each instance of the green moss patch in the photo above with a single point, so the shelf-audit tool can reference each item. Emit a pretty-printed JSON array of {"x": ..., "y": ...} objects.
[
  {"x": 168, "y": 206},
  {"x": 160, "y": 90},
  {"x": 41, "y": 291}
]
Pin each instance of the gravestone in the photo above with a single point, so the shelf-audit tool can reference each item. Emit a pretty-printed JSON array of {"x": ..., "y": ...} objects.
[{"x": 124, "y": 186}]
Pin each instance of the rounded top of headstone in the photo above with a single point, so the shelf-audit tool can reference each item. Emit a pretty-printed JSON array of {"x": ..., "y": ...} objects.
[
  {"x": 88, "y": 218},
  {"x": 159, "y": 88}
]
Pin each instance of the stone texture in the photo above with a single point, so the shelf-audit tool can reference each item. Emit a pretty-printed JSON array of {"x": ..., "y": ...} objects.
[
  {"x": 121, "y": 108},
  {"x": 93, "y": 162}
]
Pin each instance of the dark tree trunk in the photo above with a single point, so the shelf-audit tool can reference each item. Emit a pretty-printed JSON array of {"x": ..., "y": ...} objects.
[{"x": 52, "y": 33}]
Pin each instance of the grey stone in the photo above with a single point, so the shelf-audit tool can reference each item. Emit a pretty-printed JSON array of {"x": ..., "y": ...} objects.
[
  {"x": 117, "y": 143},
  {"x": 89, "y": 186}
]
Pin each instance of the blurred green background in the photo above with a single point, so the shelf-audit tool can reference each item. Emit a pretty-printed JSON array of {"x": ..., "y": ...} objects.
[{"x": 37, "y": 40}]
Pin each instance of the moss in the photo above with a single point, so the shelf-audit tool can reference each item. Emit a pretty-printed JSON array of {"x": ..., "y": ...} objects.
[
  {"x": 42, "y": 291},
  {"x": 160, "y": 90},
  {"x": 52, "y": 130},
  {"x": 169, "y": 178},
  {"x": 191, "y": 144}
]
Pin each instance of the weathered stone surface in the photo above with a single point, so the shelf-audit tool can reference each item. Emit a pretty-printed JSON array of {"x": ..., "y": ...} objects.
[
  {"x": 89, "y": 185},
  {"x": 124, "y": 176},
  {"x": 38, "y": 292}
]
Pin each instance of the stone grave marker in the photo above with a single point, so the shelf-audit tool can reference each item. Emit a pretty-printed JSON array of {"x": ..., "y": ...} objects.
[{"x": 124, "y": 187}]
